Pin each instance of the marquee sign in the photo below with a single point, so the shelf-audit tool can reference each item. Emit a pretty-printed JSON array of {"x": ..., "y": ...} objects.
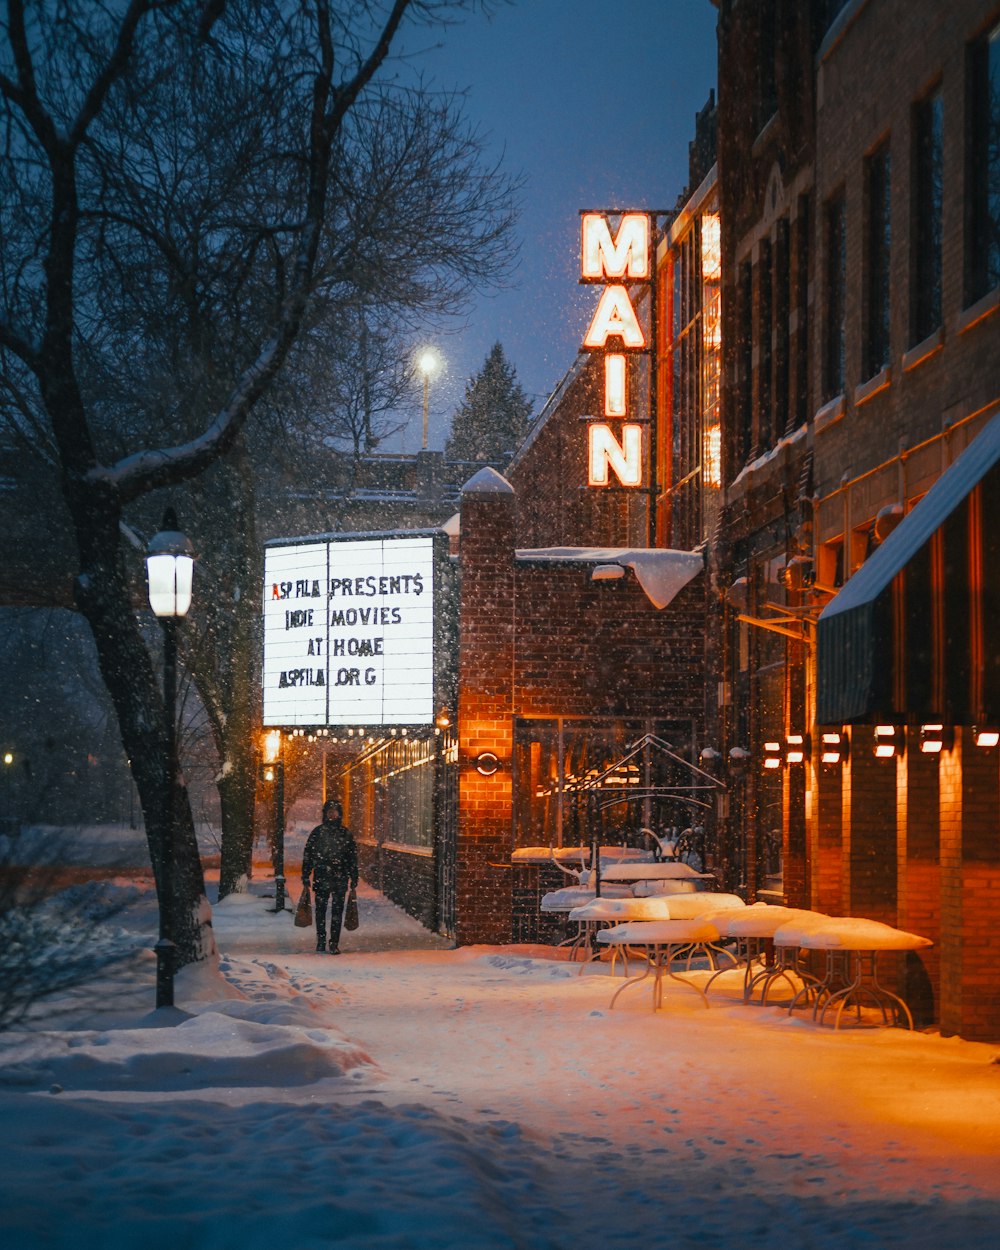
[
  {"x": 349, "y": 631},
  {"x": 615, "y": 330}
]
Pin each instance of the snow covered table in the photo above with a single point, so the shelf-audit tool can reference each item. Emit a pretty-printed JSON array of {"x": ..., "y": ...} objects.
[
  {"x": 598, "y": 913},
  {"x": 667, "y": 870},
  {"x": 753, "y": 929},
  {"x": 664, "y": 942},
  {"x": 851, "y": 946}
]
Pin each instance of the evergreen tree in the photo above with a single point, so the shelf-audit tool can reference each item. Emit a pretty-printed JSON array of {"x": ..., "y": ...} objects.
[{"x": 493, "y": 416}]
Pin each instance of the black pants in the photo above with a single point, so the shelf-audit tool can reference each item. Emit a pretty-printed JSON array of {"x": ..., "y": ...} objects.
[{"x": 334, "y": 893}]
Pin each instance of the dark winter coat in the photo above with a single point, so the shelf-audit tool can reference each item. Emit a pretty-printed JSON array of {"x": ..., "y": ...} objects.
[{"x": 330, "y": 857}]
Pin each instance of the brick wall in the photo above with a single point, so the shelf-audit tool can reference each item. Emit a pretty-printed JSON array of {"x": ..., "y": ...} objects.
[{"x": 543, "y": 639}]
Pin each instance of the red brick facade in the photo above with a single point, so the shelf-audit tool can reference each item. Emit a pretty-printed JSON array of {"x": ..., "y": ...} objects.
[{"x": 542, "y": 639}]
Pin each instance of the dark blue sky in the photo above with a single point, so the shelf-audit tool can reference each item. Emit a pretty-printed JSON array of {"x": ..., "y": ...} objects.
[{"x": 593, "y": 103}]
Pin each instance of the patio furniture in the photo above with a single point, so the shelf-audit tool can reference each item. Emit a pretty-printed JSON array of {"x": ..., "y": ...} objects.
[
  {"x": 665, "y": 942},
  {"x": 753, "y": 929},
  {"x": 851, "y": 946},
  {"x": 597, "y": 914}
]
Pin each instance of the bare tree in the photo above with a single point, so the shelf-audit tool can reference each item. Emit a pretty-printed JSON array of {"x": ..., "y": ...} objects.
[{"x": 192, "y": 190}]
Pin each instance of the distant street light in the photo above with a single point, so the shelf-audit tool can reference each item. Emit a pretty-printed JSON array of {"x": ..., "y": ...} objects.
[
  {"x": 428, "y": 363},
  {"x": 169, "y": 571}
]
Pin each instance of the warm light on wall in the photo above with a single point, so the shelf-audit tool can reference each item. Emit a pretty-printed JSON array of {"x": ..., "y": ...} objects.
[
  {"x": 833, "y": 748},
  {"x": 933, "y": 739},
  {"x": 272, "y": 746},
  {"x": 615, "y": 397},
  {"x": 711, "y": 459},
  {"x": 615, "y": 318},
  {"x": 606, "y": 453},
  {"x": 888, "y": 741},
  {"x": 711, "y": 248},
  {"x": 772, "y": 756},
  {"x": 625, "y": 256},
  {"x": 986, "y": 736},
  {"x": 796, "y": 748}
]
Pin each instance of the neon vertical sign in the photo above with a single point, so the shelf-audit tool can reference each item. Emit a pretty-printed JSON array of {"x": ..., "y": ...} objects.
[{"x": 615, "y": 450}]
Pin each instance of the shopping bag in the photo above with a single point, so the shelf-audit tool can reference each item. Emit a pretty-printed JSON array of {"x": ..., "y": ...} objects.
[
  {"x": 351, "y": 911},
  {"x": 304, "y": 911}
]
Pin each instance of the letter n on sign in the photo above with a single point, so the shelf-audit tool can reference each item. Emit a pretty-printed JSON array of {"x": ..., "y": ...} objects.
[{"x": 606, "y": 453}]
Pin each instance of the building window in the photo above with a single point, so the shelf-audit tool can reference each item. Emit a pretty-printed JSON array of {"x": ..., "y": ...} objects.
[
  {"x": 878, "y": 243},
  {"x": 782, "y": 421},
  {"x": 765, "y": 335},
  {"x": 925, "y": 268},
  {"x": 800, "y": 364},
  {"x": 982, "y": 251},
  {"x": 836, "y": 290},
  {"x": 745, "y": 365}
]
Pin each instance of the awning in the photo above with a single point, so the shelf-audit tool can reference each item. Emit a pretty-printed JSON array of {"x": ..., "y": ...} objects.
[{"x": 915, "y": 633}]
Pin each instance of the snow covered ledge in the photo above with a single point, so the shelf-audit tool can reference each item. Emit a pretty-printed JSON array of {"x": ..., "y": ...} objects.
[{"x": 661, "y": 573}]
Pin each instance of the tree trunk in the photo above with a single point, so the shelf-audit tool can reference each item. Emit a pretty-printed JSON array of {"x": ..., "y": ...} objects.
[{"x": 102, "y": 596}]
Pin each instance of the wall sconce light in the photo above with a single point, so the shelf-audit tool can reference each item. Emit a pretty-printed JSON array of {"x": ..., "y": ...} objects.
[
  {"x": 833, "y": 747},
  {"x": 986, "y": 735},
  {"x": 487, "y": 763},
  {"x": 443, "y": 719},
  {"x": 888, "y": 741},
  {"x": 934, "y": 738},
  {"x": 773, "y": 756},
  {"x": 796, "y": 748}
]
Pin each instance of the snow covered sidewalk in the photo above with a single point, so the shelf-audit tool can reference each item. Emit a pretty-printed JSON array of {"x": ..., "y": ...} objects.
[{"x": 408, "y": 1095}]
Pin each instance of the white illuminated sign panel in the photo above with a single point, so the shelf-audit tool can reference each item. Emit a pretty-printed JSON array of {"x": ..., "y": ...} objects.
[
  {"x": 349, "y": 632},
  {"x": 615, "y": 450}
]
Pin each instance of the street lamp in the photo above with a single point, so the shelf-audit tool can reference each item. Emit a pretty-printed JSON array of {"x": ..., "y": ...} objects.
[
  {"x": 169, "y": 571},
  {"x": 428, "y": 363},
  {"x": 273, "y": 769}
]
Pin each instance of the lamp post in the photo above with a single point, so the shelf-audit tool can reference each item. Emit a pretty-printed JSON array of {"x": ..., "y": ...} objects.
[
  {"x": 427, "y": 363},
  {"x": 274, "y": 770},
  {"x": 169, "y": 571}
]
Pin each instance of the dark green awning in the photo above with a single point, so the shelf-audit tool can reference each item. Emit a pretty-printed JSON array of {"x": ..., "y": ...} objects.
[{"x": 917, "y": 626}]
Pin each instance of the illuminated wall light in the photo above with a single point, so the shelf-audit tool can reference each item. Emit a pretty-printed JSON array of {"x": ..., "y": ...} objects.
[
  {"x": 606, "y": 453},
  {"x": 888, "y": 741},
  {"x": 933, "y": 739},
  {"x": 986, "y": 736},
  {"x": 833, "y": 748},
  {"x": 615, "y": 397},
  {"x": 772, "y": 755},
  {"x": 796, "y": 748},
  {"x": 711, "y": 247}
]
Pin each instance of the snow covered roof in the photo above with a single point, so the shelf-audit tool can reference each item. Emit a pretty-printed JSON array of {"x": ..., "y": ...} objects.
[
  {"x": 661, "y": 573},
  {"x": 487, "y": 482}
]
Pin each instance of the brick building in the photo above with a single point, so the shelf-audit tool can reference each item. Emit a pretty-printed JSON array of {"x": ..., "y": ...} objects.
[{"x": 857, "y": 171}]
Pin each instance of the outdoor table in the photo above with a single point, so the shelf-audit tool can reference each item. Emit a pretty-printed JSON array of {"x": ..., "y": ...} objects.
[
  {"x": 753, "y": 929},
  {"x": 563, "y": 901},
  {"x": 664, "y": 941},
  {"x": 664, "y": 871},
  {"x": 851, "y": 946},
  {"x": 598, "y": 913}
]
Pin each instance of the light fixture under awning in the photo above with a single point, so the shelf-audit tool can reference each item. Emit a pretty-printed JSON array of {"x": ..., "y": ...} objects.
[{"x": 913, "y": 632}]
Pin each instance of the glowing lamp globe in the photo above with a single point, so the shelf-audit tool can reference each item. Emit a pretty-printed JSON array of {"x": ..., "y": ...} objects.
[{"x": 170, "y": 569}]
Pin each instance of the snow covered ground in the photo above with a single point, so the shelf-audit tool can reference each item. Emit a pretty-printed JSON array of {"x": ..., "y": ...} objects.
[{"x": 408, "y": 1095}]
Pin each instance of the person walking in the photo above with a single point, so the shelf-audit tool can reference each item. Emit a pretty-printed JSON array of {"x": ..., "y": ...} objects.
[{"x": 330, "y": 860}]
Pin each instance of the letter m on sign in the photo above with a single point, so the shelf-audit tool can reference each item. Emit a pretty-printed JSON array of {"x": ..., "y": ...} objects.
[{"x": 624, "y": 256}]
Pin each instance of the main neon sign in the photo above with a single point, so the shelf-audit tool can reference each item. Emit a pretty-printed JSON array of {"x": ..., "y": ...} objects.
[{"x": 615, "y": 330}]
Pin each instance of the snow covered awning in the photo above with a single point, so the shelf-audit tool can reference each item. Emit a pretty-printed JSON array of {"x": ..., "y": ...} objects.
[{"x": 661, "y": 573}]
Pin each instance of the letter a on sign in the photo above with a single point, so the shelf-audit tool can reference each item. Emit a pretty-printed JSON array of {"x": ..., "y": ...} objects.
[
  {"x": 606, "y": 453},
  {"x": 615, "y": 316}
]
